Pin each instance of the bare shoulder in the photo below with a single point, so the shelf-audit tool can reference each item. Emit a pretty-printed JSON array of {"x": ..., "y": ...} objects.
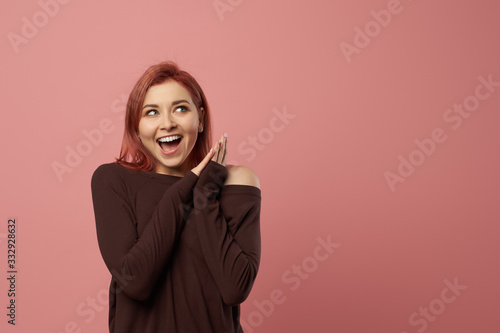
[{"x": 241, "y": 175}]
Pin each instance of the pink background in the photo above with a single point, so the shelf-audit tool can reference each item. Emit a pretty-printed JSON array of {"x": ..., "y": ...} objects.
[{"x": 352, "y": 118}]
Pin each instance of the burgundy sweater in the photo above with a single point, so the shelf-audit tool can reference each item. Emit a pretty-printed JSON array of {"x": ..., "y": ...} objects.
[{"x": 183, "y": 252}]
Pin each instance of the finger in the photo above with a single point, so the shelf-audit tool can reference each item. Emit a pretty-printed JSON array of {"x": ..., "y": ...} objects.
[
  {"x": 197, "y": 169},
  {"x": 224, "y": 156},
  {"x": 205, "y": 161},
  {"x": 215, "y": 151},
  {"x": 207, "y": 158},
  {"x": 223, "y": 149},
  {"x": 209, "y": 155},
  {"x": 220, "y": 151}
]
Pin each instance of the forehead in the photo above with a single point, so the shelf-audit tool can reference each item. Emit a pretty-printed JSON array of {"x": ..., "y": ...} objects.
[{"x": 167, "y": 92}]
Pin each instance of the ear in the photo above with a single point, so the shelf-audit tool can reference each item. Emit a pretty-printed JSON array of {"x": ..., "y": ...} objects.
[{"x": 201, "y": 117}]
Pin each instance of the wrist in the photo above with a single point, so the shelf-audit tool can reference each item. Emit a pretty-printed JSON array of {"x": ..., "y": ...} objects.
[{"x": 211, "y": 179}]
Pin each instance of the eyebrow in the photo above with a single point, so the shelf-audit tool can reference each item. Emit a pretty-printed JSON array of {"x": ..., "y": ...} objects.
[
  {"x": 149, "y": 106},
  {"x": 173, "y": 103},
  {"x": 179, "y": 102}
]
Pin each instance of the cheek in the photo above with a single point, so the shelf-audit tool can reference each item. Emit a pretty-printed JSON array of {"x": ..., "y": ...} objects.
[
  {"x": 143, "y": 129},
  {"x": 140, "y": 129},
  {"x": 188, "y": 126},
  {"x": 196, "y": 123}
]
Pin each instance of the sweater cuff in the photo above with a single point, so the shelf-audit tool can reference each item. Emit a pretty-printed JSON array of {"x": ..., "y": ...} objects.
[
  {"x": 187, "y": 184},
  {"x": 211, "y": 179}
]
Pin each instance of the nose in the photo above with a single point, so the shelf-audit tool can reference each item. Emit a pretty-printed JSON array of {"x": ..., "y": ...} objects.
[{"x": 167, "y": 121}]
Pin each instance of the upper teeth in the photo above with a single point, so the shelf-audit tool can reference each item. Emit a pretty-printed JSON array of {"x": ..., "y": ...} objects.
[{"x": 169, "y": 138}]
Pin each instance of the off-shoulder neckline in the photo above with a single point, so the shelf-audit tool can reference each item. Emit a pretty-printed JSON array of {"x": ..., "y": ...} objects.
[{"x": 162, "y": 176}]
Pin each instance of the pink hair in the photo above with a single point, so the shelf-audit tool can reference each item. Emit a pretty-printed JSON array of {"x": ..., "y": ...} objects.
[{"x": 133, "y": 154}]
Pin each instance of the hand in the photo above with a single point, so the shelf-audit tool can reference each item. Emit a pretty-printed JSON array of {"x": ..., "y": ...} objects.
[
  {"x": 218, "y": 154},
  {"x": 220, "y": 150}
]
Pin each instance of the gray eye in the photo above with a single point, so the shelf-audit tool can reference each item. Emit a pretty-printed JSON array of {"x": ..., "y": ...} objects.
[{"x": 181, "y": 108}]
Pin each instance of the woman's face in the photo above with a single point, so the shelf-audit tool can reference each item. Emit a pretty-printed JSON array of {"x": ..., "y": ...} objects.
[{"x": 168, "y": 127}]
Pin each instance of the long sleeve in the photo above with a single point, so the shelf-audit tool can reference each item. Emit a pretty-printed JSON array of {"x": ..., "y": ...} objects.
[
  {"x": 230, "y": 239},
  {"x": 137, "y": 262}
]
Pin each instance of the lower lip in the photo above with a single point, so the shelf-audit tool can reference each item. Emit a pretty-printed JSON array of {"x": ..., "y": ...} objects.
[{"x": 170, "y": 152}]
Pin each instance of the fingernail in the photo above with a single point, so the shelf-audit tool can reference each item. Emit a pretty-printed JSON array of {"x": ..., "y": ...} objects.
[{"x": 225, "y": 135}]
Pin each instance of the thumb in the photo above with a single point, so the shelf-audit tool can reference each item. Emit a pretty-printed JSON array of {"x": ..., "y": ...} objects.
[{"x": 197, "y": 170}]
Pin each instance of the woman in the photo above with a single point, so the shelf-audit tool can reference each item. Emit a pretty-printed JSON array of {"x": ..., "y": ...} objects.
[{"x": 178, "y": 229}]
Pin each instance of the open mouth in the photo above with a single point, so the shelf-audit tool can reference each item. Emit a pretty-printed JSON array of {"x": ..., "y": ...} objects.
[{"x": 169, "y": 144}]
